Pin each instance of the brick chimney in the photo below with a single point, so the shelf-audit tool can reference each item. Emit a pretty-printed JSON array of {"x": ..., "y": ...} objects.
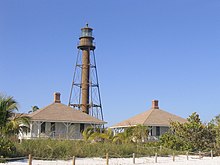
[
  {"x": 57, "y": 97},
  {"x": 155, "y": 104}
]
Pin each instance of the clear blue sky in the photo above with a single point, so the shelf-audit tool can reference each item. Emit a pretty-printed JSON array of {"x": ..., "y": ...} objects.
[{"x": 146, "y": 49}]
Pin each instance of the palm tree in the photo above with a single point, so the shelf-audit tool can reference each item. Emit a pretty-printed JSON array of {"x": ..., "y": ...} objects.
[
  {"x": 34, "y": 108},
  {"x": 9, "y": 120},
  {"x": 105, "y": 135},
  {"x": 97, "y": 135},
  {"x": 87, "y": 133},
  {"x": 124, "y": 137},
  {"x": 140, "y": 133},
  {"x": 7, "y": 106},
  {"x": 13, "y": 126},
  {"x": 135, "y": 134},
  {"x": 121, "y": 138}
]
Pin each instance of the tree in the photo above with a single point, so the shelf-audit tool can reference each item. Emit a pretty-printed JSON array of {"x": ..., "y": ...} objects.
[
  {"x": 87, "y": 133},
  {"x": 34, "y": 108},
  {"x": 135, "y": 134},
  {"x": 192, "y": 135},
  {"x": 215, "y": 124},
  {"x": 13, "y": 126},
  {"x": 7, "y": 107},
  {"x": 215, "y": 120},
  {"x": 123, "y": 137},
  {"x": 9, "y": 120},
  {"x": 97, "y": 135},
  {"x": 140, "y": 133}
]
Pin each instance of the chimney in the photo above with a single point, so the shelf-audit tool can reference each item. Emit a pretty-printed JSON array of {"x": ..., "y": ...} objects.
[
  {"x": 155, "y": 104},
  {"x": 57, "y": 97}
]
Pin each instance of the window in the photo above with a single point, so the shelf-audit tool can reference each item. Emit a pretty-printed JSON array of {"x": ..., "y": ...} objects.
[
  {"x": 43, "y": 126},
  {"x": 25, "y": 129},
  {"x": 157, "y": 131},
  {"x": 82, "y": 127},
  {"x": 86, "y": 32},
  {"x": 52, "y": 128}
]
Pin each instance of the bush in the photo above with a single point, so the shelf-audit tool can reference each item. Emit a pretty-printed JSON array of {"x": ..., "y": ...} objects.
[
  {"x": 65, "y": 149},
  {"x": 7, "y": 148},
  {"x": 192, "y": 135},
  {"x": 171, "y": 141}
]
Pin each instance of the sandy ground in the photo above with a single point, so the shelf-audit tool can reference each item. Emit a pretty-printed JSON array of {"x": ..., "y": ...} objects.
[{"x": 179, "y": 160}]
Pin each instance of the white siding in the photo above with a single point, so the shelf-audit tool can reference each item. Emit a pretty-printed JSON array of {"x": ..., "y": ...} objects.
[
  {"x": 34, "y": 130},
  {"x": 61, "y": 131}
]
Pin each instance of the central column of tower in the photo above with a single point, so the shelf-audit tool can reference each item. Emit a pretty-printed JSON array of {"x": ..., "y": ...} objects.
[
  {"x": 86, "y": 45},
  {"x": 85, "y": 80}
]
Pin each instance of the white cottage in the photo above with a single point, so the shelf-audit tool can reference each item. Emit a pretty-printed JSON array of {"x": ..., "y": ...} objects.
[
  {"x": 157, "y": 120},
  {"x": 58, "y": 121}
]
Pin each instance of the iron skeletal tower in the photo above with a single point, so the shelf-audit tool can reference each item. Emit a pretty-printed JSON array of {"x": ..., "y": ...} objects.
[{"x": 85, "y": 92}]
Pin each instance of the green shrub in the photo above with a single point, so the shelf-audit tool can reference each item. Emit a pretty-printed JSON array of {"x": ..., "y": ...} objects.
[
  {"x": 65, "y": 149},
  {"x": 7, "y": 148},
  {"x": 192, "y": 135}
]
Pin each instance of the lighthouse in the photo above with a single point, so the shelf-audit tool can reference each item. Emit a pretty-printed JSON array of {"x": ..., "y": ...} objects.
[{"x": 85, "y": 92}]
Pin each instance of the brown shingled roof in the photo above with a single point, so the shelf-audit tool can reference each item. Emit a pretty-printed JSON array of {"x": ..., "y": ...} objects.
[
  {"x": 57, "y": 112},
  {"x": 152, "y": 117}
]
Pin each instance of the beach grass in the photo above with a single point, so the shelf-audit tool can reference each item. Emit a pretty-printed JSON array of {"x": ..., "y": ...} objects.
[{"x": 66, "y": 149}]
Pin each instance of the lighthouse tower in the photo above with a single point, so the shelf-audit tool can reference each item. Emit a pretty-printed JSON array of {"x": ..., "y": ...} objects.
[{"x": 85, "y": 92}]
